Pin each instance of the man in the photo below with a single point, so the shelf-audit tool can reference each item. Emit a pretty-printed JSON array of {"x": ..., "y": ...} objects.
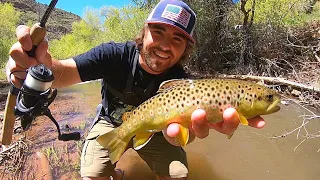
[{"x": 131, "y": 73}]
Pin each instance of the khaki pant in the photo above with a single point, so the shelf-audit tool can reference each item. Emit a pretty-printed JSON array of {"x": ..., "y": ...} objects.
[{"x": 163, "y": 158}]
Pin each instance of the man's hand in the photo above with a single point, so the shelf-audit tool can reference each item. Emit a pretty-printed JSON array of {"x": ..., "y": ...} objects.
[
  {"x": 200, "y": 127},
  {"x": 20, "y": 61}
]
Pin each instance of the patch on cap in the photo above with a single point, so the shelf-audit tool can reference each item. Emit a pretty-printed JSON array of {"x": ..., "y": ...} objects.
[{"x": 177, "y": 14}]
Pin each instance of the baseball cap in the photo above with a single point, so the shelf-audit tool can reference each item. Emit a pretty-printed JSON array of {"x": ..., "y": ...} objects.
[{"x": 175, "y": 13}]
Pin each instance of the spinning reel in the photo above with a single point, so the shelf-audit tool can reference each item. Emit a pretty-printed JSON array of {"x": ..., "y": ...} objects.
[{"x": 34, "y": 98}]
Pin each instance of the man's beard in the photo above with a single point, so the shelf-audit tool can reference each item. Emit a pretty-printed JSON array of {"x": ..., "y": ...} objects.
[{"x": 153, "y": 64}]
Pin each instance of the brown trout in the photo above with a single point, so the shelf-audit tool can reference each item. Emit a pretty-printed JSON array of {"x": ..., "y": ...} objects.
[{"x": 175, "y": 102}]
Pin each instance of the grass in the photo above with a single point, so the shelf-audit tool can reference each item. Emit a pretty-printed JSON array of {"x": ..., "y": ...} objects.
[
  {"x": 81, "y": 126},
  {"x": 3, "y": 74},
  {"x": 59, "y": 159}
]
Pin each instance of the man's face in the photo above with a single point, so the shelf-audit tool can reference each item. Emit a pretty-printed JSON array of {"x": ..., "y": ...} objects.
[{"x": 163, "y": 46}]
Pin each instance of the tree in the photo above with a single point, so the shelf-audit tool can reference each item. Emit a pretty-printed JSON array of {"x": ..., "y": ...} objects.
[
  {"x": 85, "y": 35},
  {"x": 278, "y": 12},
  {"x": 211, "y": 34},
  {"x": 145, "y": 4},
  {"x": 8, "y": 20},
  {"x": 98, "y": 26},
  {"x": 123, "y": 24},
  {"x": 246, "y": 61}
]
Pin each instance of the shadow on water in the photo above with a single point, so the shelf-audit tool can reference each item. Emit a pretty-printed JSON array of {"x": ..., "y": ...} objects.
[
  {"x": 250, "y": 154},
  {"x": 201, "y": 167},
  {"x": 135, "y": 168}
]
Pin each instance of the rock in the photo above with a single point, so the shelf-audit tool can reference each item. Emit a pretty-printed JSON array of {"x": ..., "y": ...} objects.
[{"x": 295, "y": 92}]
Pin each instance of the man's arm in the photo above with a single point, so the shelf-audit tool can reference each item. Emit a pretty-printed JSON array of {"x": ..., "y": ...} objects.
[{"x": 65, "y": 73}]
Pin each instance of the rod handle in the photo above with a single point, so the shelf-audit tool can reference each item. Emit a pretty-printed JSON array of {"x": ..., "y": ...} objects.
[{"x": 37, "y": 34}]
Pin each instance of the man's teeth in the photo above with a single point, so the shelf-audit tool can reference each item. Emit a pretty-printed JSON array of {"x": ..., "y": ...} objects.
[{"x": 160, "y": 54}]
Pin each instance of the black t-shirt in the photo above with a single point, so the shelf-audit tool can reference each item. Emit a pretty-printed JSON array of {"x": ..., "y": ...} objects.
[{"x": 112, "y": 62}]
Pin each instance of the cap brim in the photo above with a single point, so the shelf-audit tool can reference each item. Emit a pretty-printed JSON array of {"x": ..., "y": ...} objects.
[{"x": 172, "y": 25}]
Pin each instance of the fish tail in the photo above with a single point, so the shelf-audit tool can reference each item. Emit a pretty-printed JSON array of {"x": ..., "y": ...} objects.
[{"x": 115, "y": 145}]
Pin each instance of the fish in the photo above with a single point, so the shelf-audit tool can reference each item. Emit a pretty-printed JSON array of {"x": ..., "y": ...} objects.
[{"x": 176, "y": 100}]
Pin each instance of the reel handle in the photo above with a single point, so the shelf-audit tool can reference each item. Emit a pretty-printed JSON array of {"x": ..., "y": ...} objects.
[{"x": 70, "y": 136}]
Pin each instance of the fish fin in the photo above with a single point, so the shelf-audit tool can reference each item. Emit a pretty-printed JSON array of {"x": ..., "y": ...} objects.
[
  {"x": 183, "y": 136},
  {"x": 141, "y": 139},
  {"x": 114, "y": 144},
  {"x": 243, "y": 120},
  {"x": 169, "y": 84},
  {"x": 230, "y": 135},
  {"x": 125, "y": 116}
]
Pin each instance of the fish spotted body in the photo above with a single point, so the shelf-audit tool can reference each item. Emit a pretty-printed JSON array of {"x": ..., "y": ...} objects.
[{"x": 176, "y": 101}]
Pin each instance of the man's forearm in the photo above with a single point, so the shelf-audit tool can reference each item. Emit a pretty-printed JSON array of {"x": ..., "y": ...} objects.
[{"x": 65, "y": 73}]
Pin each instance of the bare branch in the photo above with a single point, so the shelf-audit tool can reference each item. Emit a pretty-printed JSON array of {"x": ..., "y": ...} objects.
[
  {"x": 252, "y": 13},
  {"x": 307, "y": 118},
  {"x": 13, "y": 158}
]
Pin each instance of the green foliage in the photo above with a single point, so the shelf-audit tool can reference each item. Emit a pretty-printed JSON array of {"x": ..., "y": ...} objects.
[
  {"x": 145, "y": 3},
  {"x": 280, "y": 12},
  {"x": 98, "y": 26},
  {"x": 314, "y": 15},
  {"x": 8, "y": 20},
  {"x": 123, "y": 24},
  {"x": 277, "y": 11},
  {"x": 83, "y": 37}
]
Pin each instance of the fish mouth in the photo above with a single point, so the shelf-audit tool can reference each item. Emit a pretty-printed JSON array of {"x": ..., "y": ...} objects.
[{"x": 274, "y": 107}]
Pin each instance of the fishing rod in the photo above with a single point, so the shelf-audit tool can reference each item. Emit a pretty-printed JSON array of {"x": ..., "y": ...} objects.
[{"x": 36, "y": 94}]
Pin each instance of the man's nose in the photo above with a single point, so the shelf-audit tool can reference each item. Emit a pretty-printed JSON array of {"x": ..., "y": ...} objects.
[{"x": 165, "y": 44}]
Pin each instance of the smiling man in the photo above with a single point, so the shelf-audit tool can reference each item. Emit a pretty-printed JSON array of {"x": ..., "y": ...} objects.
[
  {"x": 163, "y": 48},
  {"x": 131, "y": 73}
]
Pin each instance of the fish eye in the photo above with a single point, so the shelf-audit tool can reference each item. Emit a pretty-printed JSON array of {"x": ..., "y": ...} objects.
[{"x": 270, "y": 97}]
